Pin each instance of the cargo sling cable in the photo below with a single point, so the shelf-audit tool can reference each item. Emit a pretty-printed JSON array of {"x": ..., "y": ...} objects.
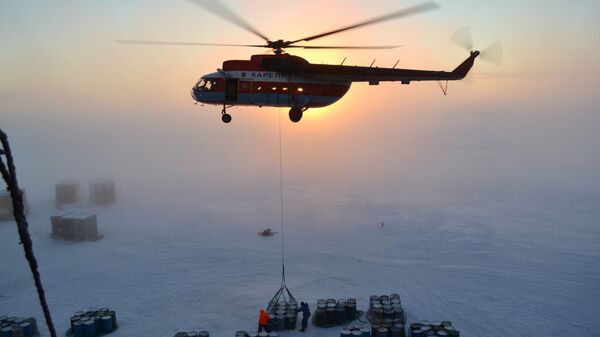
[
  {"x": 283, "y": 289},
  {"x": 9, "y": 173}
]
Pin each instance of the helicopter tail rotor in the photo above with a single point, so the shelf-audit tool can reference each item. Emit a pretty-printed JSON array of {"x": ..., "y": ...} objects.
[{"x": 464, "y": 38}]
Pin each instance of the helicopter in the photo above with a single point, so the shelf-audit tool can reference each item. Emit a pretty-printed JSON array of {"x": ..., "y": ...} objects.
[{"x": 284, "y": 80}]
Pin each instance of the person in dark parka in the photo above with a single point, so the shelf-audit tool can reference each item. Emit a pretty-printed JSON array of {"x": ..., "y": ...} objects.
[{"x": 305, "y": 314}]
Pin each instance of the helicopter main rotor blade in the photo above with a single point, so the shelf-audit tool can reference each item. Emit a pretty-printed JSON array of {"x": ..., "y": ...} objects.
[
  {"x": 344, "y": 47},
  {"x": 218, "y": 8},
  {"x": 424, "y": 7},
  {"x": 175, "y": 43}
]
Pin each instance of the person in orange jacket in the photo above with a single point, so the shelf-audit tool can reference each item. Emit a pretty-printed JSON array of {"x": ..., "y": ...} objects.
[{"x": 263, "y": 321}]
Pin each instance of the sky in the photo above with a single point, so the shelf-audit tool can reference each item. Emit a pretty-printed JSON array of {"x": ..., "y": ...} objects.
[{"x": 78, "y": 105}]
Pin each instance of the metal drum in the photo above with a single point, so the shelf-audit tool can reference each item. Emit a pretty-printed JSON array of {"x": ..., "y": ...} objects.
[
  {"x": 321, "y": 301},
  {"x": 375, "y": 306},
  {"x": 203, "y": 333},
  {"x": 399, "y": 315},
  {"x": 382, "y": 332},
  {"x": 418, "y": 333},
  {"x": 114, "y": 319},
  {"x": 17, "y": 331},
  {"x": 356, "y": 333},
  {"x": 453, "y": 333},
  {"x": 388, "y": 314},
  {"x": 378, "y": 313},
  {"x": 6, "y": 331},
  {"x": 331, "y": 300},
  {"x": 321, "y": 305},
  {"x": 73, "y": 320},
  {"x": 106, "y": 323},
  {"x": 374, "y": 298},
  {"x": 351, "y": 310},
  {"x": 191, "y": 334},
  {"x": 340, "y": 314},
  {"x": 374, "y": 330},
  {"x": 321, "y": 317},
  {"x": 366, "y": 332},
  {"x": 280, "y": 322},
  {"x": 345, "y": 333},
  {"x": 427, "y": 330},
  {"x": 290, "y": 322},
  {"x": 384, "y": 298},
  {"x": 27, "y": 329},
  {"x": 330, "y": 315},
  {"x": 89, "y": 328},
  {"x": 78, "y": 329},
  {"x": 441, "y": 333},
  {"x": 394, "y": 295}
]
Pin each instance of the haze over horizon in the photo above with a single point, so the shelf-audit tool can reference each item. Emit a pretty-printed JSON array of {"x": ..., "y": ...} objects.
[{"x": 77, "y": 104}]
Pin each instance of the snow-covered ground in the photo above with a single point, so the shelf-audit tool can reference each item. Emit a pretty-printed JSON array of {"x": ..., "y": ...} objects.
[{"x": 493, "y": 268}]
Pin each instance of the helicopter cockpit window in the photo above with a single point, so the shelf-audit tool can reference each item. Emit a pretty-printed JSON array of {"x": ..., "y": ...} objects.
[
  {"x": 201, "y": 83},
  {"x": 207, "y": 85}
]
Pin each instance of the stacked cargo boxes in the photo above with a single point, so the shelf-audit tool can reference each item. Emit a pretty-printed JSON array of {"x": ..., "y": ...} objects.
[
  {"x": 6, "y": 205},
  {"x": 75, "y": 226},
  {"x": 102, "y": 192},
  {"x": 93, "y": 322},
  {"x": 17, "y": 326},
  {"x": 66, "y": 192},
  {"x": 332, "y": 312}
]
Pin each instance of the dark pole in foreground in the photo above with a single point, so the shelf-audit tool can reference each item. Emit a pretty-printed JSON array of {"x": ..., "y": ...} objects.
[{"x": 9, "y": 174}]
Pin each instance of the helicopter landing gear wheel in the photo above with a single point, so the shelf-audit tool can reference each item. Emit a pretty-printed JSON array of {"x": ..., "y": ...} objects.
[
  {"x": 225, "y": 117},
  {"x": 295, "y": 114}
]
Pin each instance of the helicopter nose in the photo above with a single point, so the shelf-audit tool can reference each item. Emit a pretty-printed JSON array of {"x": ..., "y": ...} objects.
[{"x": 195, "y": 94}]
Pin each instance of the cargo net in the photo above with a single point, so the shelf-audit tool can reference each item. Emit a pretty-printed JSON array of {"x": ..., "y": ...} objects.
[
  {"x": 385, "y": 311},
  {"x": 333, "y": 312},
  {"x": 283, "y": 313}
]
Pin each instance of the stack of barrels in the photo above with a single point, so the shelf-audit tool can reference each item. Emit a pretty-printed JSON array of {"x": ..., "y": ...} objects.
[
  {"x": 242, "y": 333},
  {"x": 18, "y": 327},
  {"x": 332, "y": 312},
  {"x": 387, "y": 316},
  {"x": 283, "y": 316},
  {"x": 433, "y": 329},
  {"x": 356, "y": 330},
  {"x": 93, "y": 322},
  {"x": 192, "y": 334}
]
